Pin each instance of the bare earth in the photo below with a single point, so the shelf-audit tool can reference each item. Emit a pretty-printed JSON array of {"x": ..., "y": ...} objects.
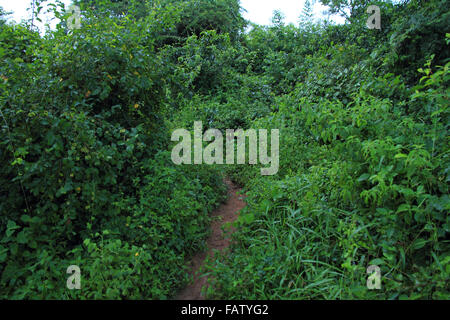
[{"x": 217, "y": 241}]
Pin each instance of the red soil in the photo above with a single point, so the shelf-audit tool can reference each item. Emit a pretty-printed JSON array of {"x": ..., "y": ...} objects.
[{"x": 228, "y": 212}]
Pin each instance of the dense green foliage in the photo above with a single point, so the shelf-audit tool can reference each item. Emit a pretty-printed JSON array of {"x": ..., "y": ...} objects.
[
  {"x": 364, "y": 165},
  {"x": 86, "y": 175}
]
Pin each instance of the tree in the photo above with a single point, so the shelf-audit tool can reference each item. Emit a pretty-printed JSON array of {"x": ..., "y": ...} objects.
[
  {"x": 350, "y": 9},
  {"x": 117, "y": 8},
  {"x": 307, "y": 13},
  {"x": 307, "y": 9},
  {"x": 3, "y": 15},
  {"x": 278, "y": 18},
  {"x": 221, "y": 15},
  {"x": 194, "y": 16}
]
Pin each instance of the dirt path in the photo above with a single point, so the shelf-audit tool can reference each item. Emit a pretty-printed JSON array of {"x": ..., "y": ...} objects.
[{"x": 217, "y": 241}]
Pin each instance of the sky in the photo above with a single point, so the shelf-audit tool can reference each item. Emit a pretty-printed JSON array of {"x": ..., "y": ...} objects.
[
  {"x": 257, "y": 11},
  {"x": 20, "y": 12},
  {"x": 261, "y": 11}
]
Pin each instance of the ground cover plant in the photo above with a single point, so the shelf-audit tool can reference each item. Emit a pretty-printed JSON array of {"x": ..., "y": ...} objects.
[{"x": 86, "y": 176}]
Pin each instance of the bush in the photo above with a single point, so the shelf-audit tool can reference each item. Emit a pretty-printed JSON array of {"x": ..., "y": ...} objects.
[
  {"x": 85, "y": 179},
  {"x": 359, "y": 184}
]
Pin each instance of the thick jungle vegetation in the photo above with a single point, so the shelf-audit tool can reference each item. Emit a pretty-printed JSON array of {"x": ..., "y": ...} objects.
[{"x": 86, "y": 176}]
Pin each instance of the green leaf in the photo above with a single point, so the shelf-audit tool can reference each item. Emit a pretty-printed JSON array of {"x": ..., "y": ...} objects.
[
  {"x": 11, "y": 227},
  {"x": 419, "y": 244},
  {"x": 403, "y": 207},
  {"x": 22, "y": 237},
  {"x": 363, "y": 177},
  {"x": 3, "y": 253},
  {"x": 25, "y": 218},
  {"x": 400, "y": 155},
  {"x": 376, "y": 262}
]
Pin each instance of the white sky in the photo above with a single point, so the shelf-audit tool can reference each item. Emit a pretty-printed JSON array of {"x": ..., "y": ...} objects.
[
  {"x": 261, "y": 11},
  {"x": 258, "y": 11},
  {"x": 20, "y": 12}
]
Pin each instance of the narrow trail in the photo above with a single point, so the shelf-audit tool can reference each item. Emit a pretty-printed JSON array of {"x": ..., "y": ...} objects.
[{"x": 228, "y": 212}]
